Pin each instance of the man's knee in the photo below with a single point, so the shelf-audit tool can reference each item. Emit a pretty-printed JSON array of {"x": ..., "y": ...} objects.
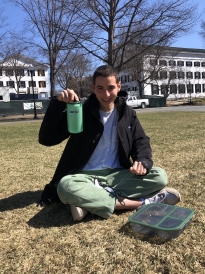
[
  {"x": 160, "y": 176},
  {"x": 63, "y": 189}
]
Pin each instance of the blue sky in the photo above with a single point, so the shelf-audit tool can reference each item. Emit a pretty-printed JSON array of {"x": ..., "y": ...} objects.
[
  {"x": 193, "y": 40},
  {"x": 15, "y": 18}
]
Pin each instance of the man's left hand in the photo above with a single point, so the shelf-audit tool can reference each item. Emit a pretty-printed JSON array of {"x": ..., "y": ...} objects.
[{"x": 138, "y": 168}]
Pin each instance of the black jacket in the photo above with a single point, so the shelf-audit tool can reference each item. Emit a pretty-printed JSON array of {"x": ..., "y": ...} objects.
[{"x": 133, "y": 144}]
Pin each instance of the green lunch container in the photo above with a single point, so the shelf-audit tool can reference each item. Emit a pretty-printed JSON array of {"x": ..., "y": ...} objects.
[
  {"x": 75, "y": 117},
  {"x": 165, "y": 221}
]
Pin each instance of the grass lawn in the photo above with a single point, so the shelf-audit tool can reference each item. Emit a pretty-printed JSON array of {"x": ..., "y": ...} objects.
[{"x": 46, "y": 240}]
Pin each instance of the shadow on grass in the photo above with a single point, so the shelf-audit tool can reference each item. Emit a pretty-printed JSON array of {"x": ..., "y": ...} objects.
[
  {"x": 19, "y": 200},
  {"x": 55, "y": 215},
  {"x": 127, "y": 230}
]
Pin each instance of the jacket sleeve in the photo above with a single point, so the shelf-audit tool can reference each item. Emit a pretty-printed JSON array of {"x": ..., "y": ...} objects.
[
  {"x": 141, "y": 149},
  {"x": 53, "y": 129}
]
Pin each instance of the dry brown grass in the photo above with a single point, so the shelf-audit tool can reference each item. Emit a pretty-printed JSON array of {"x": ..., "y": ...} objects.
[
  {"x": 46, "y": 240},
  {"x": 185, "y": 101}
]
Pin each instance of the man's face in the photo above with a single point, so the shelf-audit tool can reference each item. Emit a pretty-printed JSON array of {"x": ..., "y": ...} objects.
[{"x": 106, "y": 89}]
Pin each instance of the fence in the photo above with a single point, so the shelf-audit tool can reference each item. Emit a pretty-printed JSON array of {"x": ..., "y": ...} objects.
[
  {"x": 39, "y": 96},
  {"x": 23, "y": 107},
  {"x": 156, "y": 101}
]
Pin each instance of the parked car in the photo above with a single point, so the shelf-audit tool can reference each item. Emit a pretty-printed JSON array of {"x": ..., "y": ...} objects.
[{"x": 134, "y": 102}]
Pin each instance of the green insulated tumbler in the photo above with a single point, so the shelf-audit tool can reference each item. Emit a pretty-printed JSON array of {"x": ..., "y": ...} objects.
[{"x": 75, "y": 117}]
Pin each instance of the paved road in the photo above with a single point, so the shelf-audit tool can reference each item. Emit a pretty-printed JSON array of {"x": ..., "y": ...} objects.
[{"x": 175, "y": 108}]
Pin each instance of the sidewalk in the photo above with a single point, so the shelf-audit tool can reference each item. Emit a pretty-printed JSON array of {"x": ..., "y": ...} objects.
[{"x": 16, "y": 118}]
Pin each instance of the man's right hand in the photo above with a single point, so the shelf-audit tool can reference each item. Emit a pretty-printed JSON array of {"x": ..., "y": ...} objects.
[
  {"x": 68, "y": 96},
  {"x": 49, "y": 195}
]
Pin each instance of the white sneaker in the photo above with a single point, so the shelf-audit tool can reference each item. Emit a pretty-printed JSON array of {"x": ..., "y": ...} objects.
[
  {"x": 169, "y": 196},
  {"x": 78, "y": 213}
]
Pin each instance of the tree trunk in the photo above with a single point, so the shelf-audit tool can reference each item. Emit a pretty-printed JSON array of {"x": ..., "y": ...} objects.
[
  {"x": 111, "y": 34},
  {"x": 140, "y": 85}
]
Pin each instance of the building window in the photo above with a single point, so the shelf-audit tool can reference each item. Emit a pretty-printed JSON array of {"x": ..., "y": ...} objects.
[
  {"x": 197, "y": 88},
  {"x": 189, "y": 75},
  {"x": 163, "y": 74},
  {"x": 173, "y": 88},
  {"x": 189, "y": 64},
  {"x": 180, "y": 63},
  {"x": 197, "y": 75},
  {"x": 123, "y": 79},
  {"x": 154, "y": 75},
  {"x": 0, "y": 72},
  {"x": 1, "y": 97},
  {"x": 42, "y": 84},
  {"x": 19, "y": 72},
  {"x": 181, "y": 88},
  {"x": 129, "y": 78},
  {"x": 1, "y": 84},
  {"x": 9, "y": 72},
  {"x": 203, "y": 64},
  {"x": 173, "y": 75},
  {"x": 164, "y": 89},
  {"x": 31, "y": 72},
  {"x": 10, "y": 84},
  {"x": 41, "y": 72},
  {"x": 132, "y": 77},
  {"x": 30, "y": 83},
  {"x": 197, "y": 64},
  {"x": 203, "y": 88},
  {"x": 172, "y": 63},
  {"x": 155, "y": 90},
  {"x": 180, "y": 75},
  {"x": 22, "y": 84},
  {"x": 153, "y": 62},
  {"x": 189, "y": 88},
  {"x": 162, "y": 62},
  {"x": 132, "y": 89},
  {"x": 203, "y": 75}
]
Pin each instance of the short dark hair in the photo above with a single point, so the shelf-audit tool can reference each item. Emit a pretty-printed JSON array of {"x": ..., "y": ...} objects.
[{"x": 106, "y": 71}]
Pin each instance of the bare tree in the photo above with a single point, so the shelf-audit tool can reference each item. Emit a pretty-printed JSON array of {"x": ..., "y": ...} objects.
[
  {"x": 202, "y": 32},
  {"x": 2, "y": 32},
  {"x": 104, "y": 28},
  {"x": 118, "y": 23},
  {"x": 55, "y": 27},
  {"x": 14, "y": 70},
  {"x": 15, "y": 64},
  {"x": 149, "y": 68},
  {"x": 74, "y": 71}
]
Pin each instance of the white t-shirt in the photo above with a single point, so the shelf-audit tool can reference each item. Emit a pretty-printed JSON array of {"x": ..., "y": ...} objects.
[{"x": 106, "y": 153}]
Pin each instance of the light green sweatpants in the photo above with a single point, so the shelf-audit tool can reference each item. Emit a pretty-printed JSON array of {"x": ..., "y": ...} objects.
[{"x": 79, "y": 189}]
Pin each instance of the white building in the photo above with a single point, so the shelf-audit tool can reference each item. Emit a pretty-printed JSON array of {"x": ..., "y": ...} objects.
[
  {"x": 24, "y": 75},
  {"x": 180, "y": 71}
]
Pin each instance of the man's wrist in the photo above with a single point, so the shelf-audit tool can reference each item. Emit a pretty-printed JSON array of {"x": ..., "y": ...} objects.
[{"x": 145, "y": 164}]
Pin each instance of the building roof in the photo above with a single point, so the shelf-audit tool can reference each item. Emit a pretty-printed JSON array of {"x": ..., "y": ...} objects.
[
  {"x": 186, "y": 49},
  {"x": 24, "y": 59}
]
